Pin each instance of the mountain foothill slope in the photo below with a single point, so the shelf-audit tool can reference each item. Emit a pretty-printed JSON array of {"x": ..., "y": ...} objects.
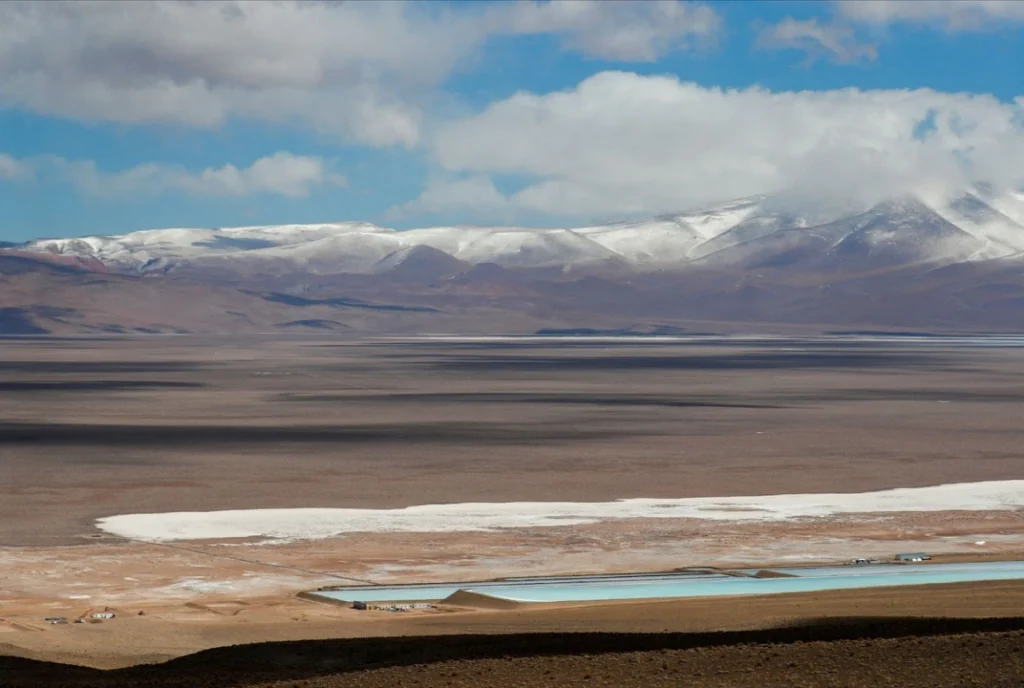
[{"x": 939, "y": 262}]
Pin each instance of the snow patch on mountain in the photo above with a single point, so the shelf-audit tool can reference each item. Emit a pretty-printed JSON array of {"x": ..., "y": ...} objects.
[
  {"x": 1011, "y": 205},
  {"x": 1002, "y": 236},
  {"x": 512, "y": 247},
  {"x": 657, "y": 242}
]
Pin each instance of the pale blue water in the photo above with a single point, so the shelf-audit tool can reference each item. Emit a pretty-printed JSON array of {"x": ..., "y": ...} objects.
[
  {"x": 899, "y": 569},
  {"x": 638, "y": 587}
]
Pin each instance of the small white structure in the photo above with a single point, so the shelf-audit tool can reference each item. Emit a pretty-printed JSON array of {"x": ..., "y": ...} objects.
[{"x": 102, "y": 615}]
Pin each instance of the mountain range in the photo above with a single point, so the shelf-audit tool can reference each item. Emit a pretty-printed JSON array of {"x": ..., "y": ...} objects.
[{"x": 924, "y": 261}]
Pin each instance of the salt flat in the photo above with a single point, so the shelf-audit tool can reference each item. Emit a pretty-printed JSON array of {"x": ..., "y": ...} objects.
[
  {"x": 238, "y": 471},
  {"x": 313, "y": 523},
  {"x": 99, "y": 428}
]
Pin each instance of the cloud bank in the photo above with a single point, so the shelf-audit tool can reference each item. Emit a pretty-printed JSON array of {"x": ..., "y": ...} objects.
[
  {"x": 621, "y": 143},
  {"x": 359, "y": 71},
  {"x": 282, "y": 174},
  {"x": 853, "y": 33},
  {"x": 616, "y": 144},
  {"x": 952, "y": 15}
]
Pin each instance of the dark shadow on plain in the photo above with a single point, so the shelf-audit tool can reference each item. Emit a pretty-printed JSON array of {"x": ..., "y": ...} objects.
[
  {"x": 58, "y": 434},
  {"x": 526, "y": 398},
  {"x": 97, "y": 366},
  {"x": 248, "y": 665},
  {"x": 94, "y": 385},
  {"x": 698, "y": 341},
  {"x": 917, "y": 395}
]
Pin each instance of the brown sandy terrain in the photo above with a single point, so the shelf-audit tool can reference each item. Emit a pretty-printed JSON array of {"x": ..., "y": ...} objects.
[
  {"x": 96, "y": 428},
  {"x": 173, "y": 630},
  {"x": 201, "y": 595}
]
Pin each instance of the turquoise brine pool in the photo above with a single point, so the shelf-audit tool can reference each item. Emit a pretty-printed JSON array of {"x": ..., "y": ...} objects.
[{"x": 688, "y": 584}]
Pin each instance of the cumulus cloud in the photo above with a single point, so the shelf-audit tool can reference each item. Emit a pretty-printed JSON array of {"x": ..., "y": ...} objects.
[
  {"x": 834, "y": 41},
  {"x": 359, "y": 70},
  {"x": 282, "y": 174},
  {"x": 339, "y": 67},
  {"x": 627, "y": 31},
  {"x": 954, "y": 15},
  {"x": 621, "y": 144}
]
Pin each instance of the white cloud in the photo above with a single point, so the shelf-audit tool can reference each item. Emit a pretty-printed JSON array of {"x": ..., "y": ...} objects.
[
  {"x": 620, "y": 144},
  {"x": 12, "y": 169},
  {"x": 282, "y": 174},
  {"x": 623, "y": 30},
  {"x": 834, "y": 41},
  {"x": 359, "y": 70},
  {"x": 338, "y": 67},
  {"x": 445, "y": 194},
  {"x": 954, "y": 15}
]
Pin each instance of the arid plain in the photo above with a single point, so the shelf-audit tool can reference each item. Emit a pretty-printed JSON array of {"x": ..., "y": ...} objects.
[{"x": 93, "y": 428}]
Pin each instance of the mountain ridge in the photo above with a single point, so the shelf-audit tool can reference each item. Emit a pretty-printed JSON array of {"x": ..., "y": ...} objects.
[
  {"x": 947, "y": 261},
  {"x": 667, "y": 241}
]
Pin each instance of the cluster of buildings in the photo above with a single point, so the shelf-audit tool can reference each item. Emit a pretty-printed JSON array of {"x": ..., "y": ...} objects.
[
  {"x": 391, "y": 607},
  {"x": 905, "y": 557},
  {"x": 91, "y": 616}
]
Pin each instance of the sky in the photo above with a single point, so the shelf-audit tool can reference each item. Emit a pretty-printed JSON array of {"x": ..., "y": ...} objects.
[{"x": 121, "y": 116}]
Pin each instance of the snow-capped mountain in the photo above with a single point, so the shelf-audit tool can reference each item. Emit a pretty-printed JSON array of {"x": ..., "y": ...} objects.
[
  {"x": 903, "y": 231},
  {"x": 928, "y": 261},
  {"x": 758, "y": 231}
]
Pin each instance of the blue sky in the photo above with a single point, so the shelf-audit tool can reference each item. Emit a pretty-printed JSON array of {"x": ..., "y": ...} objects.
[{"x": 415, "y": 114}]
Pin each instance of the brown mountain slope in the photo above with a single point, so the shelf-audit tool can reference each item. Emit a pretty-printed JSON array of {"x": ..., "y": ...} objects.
[{"x": 41, "y": 297}]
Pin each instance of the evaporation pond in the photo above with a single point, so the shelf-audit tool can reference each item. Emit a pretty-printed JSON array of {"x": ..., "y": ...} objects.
[{"x": 686, "y": 584}]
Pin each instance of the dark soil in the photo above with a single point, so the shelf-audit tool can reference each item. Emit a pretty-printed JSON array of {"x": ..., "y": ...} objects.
[{"x": 932, "y": 653}]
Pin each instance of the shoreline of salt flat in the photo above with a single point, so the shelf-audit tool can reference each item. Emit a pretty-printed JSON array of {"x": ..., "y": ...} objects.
[{"x": 315, "y": 523}]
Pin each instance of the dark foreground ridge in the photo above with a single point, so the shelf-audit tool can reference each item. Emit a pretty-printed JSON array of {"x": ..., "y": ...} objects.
[{"x": 847, "y": 652}]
